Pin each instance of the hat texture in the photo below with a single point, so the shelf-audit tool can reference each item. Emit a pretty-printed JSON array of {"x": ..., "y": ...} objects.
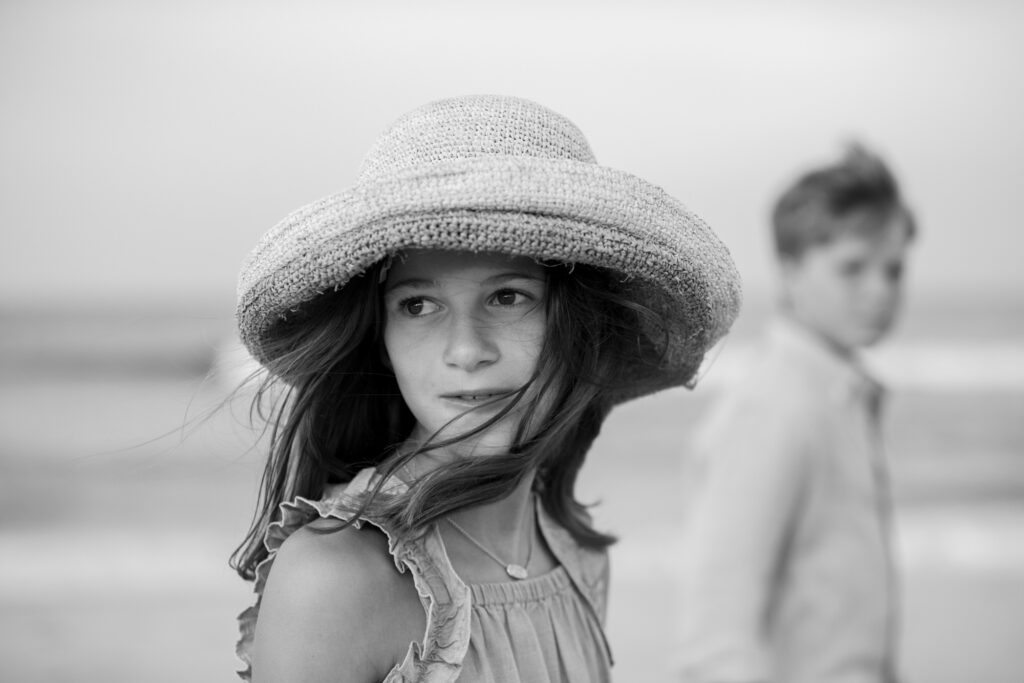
[{"x": 499, "y": 174}]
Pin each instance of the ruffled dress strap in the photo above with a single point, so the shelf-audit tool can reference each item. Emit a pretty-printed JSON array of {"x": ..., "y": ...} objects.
[
  {"x": 446, "y": 601},
  {"x": 589, "y": 569}
]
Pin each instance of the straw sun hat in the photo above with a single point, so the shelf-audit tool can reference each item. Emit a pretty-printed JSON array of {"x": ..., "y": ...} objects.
[{"x": 499, "y": 174}]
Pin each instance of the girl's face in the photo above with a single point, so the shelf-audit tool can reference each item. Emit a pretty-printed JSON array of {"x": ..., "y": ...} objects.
[{"x": 461, "y": 330}]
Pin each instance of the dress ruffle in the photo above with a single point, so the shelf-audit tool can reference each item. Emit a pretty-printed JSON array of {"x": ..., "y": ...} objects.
[
  {"x": 438, "y": 658},
  {"x": 446, "y": 599}
]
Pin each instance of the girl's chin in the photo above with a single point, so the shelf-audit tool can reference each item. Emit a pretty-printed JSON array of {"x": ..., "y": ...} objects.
[
  {"x": 481, "y": 448},
  {"x": 495, "y": 440}
]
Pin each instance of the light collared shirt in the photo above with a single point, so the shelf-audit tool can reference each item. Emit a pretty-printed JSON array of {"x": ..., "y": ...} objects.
[{"x": 788, "y": 576}]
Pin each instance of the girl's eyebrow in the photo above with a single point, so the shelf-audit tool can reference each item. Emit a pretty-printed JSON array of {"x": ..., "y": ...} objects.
[
  {"x": 514, "y": 275},
  {"x": 423, "y": 282},
  {"x": 414, "y": 282}
]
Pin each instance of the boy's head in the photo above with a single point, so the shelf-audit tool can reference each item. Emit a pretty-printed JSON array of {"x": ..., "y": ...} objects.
[{"x": 841, "y": 236}]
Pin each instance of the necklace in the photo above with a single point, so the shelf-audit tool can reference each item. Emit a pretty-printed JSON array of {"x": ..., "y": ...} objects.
[{"x": 516, "y": 571}]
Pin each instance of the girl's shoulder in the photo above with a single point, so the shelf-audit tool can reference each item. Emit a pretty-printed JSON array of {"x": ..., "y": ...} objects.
[
  {"x": 325, "y": 533},
  {"x": 335, "y": 587},
  {"x": 321, "y": 581},
  {"x": 334, "y": 560}
]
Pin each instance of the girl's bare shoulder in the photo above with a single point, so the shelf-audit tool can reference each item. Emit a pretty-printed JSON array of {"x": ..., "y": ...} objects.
[{"x": 328, "y": 589}]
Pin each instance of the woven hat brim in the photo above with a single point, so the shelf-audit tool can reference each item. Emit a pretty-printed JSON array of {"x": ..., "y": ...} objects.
[{"x": 559, "y": 210}]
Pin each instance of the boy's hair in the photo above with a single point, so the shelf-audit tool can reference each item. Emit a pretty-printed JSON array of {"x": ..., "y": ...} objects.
[
  {"x": 812, "y": 210},
  {"x": 341, "y": 409}
]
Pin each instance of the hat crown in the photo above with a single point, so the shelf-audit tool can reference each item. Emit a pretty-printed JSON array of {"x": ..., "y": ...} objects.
[{"x": 481, "y": 126}]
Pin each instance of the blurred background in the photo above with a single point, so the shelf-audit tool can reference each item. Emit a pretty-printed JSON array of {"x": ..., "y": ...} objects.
[{"x": 145, "y": 146}]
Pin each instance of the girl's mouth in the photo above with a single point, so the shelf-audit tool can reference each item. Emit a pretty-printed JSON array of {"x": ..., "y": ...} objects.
[{"x": 477, "y": 396}]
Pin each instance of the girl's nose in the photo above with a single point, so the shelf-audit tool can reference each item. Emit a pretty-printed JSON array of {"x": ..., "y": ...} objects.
[{"x": 469, "y": 345}]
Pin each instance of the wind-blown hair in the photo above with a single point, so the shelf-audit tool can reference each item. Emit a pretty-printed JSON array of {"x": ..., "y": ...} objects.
[
  {"x": 813, "y": 209},
  {"x": 335, "y": 408}
]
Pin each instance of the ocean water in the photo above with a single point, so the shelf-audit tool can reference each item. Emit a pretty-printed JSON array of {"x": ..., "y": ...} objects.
[{"x": 124, "y": 490}]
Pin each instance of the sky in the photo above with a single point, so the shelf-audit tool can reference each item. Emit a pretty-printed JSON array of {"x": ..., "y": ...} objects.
[{"x": 145, "y": 146}]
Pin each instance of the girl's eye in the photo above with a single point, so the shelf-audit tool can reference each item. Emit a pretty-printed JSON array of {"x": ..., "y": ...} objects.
[
  {"x": 509, "y": 297},
  {"x": 416, "y": 306}
]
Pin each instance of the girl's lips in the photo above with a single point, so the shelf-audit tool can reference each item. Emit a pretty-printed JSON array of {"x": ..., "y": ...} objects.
[{"x": 478, "y": 396}]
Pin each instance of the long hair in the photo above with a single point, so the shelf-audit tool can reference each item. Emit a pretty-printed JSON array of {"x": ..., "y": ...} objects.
[{"x": 336, "y": 408}]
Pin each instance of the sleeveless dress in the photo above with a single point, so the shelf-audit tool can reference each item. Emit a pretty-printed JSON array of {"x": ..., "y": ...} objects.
[{"x": 543, "y": 629}]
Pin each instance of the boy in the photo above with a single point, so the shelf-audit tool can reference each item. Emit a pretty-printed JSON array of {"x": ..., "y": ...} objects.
[{"x": 788, "y": 575}]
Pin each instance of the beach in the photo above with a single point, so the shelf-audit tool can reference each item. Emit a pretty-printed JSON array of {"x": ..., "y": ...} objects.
[
  {"x": 123, "y": 495},
  {"x": 145, "y": 147}
]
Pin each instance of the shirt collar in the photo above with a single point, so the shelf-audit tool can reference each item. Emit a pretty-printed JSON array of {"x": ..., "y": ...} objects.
[{"x": 843, "y": 373}]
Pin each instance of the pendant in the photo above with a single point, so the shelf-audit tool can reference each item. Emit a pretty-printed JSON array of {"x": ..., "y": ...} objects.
[{"x": 516, "y": 571}]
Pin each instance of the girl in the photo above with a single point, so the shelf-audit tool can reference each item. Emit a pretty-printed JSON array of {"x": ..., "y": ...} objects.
[{"x": 447, "y": 338}]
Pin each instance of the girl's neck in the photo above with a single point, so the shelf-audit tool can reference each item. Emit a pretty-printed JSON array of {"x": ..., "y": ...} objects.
[
  {"x": 504, "y": 525},
  {"x": 508, "y": 529},
  {"x": 504, "y": 522}
]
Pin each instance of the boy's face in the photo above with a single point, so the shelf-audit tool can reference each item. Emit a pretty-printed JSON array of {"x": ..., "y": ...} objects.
[{"x": 849, "y": 290}]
